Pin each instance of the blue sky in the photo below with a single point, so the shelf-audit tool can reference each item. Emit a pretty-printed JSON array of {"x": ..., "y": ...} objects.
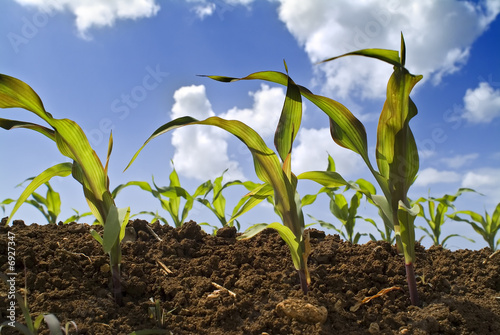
[{"x": 131, "y": 66}]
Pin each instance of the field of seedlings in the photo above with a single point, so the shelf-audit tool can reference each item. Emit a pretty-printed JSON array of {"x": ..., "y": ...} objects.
[{"x": 118, "y": 275}]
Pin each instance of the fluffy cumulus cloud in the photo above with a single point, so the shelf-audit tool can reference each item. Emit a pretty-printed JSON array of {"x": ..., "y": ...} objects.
[
  {"x": 438, "y": 35},
  {"x": 482, "y": 104},
  {"x": 201, "y": 152},
  {"x": 312, "y": 149},
  {"x": 430, "y": 176},
  {"x": 486, "y": 181},
  {"x": 265, "y": 112},
  {"x": 96, "y": 13}
]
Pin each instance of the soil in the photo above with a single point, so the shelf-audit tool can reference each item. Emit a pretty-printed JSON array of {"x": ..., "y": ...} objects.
[{"x": 66, "y": 273}]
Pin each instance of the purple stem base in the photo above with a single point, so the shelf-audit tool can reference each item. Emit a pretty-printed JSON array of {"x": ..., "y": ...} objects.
[
  {"x": 412, "y": 284},
  {"x": 303, "y": 281}
]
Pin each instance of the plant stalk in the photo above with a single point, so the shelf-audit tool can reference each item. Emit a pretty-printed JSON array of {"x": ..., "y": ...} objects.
[
  {"x": 412, "y": 284},
  {"x": 117, "y": 284},
  {"x": 115, "y": 259},
  {"x": 303, "y": 281}
]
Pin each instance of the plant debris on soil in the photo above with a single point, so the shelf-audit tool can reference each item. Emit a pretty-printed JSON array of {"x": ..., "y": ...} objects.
[{"x": 220, "y": 285}]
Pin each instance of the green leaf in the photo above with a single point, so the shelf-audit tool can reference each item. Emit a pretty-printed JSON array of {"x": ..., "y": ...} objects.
[
  {"x": 252, "y": 199},
  {"x": 289, "y": 122},
  {"x": 389, "y": 56},
  {"x": 328, "y": 179},
  {"x": 59, "y": 170},
  {"x": 114, "y": 227},
  {"x": 96, "y": 236},
  {"x": 16, "y": 93},
  {"x": 13, "y": 124},
  {"x": 347, "y": 131},
  {"x": 397, "y": 154}
]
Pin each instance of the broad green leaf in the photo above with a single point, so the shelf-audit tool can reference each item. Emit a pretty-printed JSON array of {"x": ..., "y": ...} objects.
[
  {"x": 252, "y": 199},
  {"x": 366, "y": 186},
  {"x": 389, "y": 56},
  {"x": 406, "y": 217},
  {"x": 338, "y": 207},
  {"x": 267, "y": 164},
  {"x": 16, "y": 93},
  {"x": 114, "y": 227},
  {"x": 292, "y": 241},
  {"x": 73, "y": 143},
  {"x": 59, "y": 170},
  {"x": 397, "y": 154},
  {"x": 325, "y": 178},
  {"x": 13, "y": 124},
  {"x": 53, "y": 203},
  {"x": 347, "y": 131},
  {"x": 289, "y": 122}
]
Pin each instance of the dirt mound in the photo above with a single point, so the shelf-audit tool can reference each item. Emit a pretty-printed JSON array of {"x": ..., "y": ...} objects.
[{"x": 219, "y": 285}]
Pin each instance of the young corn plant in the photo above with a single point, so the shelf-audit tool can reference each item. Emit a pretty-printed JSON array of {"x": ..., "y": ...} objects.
[
  {"x": 217, "y": 205},
  {"x": 169, "y": 197},
  {"x": 274, "y": 170},
  {"x": 437, "y": 215},
  {"x": 487, "y": 226},
  {"x": 77, "y": 216},
  {"x": 86, "y": 168},
  {"x": 396, "y": 150},
  {"x": 49, "y": 206},
  {"x": 344, "y": 211}
]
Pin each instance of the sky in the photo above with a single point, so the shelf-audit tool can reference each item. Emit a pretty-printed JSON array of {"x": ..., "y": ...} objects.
[{"x": 130, "y": 66}]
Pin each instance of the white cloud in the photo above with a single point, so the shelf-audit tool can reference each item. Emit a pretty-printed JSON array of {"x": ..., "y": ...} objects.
[
  {"x": 482, "y": 104},
  {"x": 432, "y": 176},
  {"x": 311, "y": 153},
  {"x": 459, "y": 160},
  {"x": 200, "y": 151},
  {"x": 264, "y": 115},
  {"x": 482, "y": 177},
  {"x": 96, "y": 13},
  {"x": 485, "y": 181},
  {"x": 438, "y": 37}
]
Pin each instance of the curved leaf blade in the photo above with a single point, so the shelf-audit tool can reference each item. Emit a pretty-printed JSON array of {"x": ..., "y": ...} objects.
[{"x": 59, "y": 170}]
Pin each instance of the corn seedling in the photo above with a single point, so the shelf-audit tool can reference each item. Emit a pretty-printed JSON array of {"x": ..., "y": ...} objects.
[
  {"x": 86, "y": 168},
  {"x": 487, "y": 226},
  {"x": 217, "y": 205},
  {"x": 437, "y": 215},
  {"x": 385, "y": 235},
  {"x": 344, "y": 211},
  {"x": 274, "y": 170},
  {"x": 169, "y": 197},
  {"x": 396, "y": 150},
  {"x": 77, "y": 216},
  {"x": 49, "y": 206}
]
